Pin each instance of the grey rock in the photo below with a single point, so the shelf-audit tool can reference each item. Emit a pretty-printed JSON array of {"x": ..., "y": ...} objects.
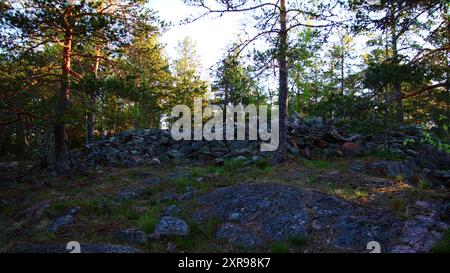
[
  {"x": 219, "y": 161},
  {"x": 62, "y": 221},
  {"x": 420, "y": 234},
  {"x": 175, "y": 154},
  {"x": 172, "y": 210},
  {"x": 8, "y": 165},
  {"x": 201, "y": 216},
  {"x": 311, "y": 121},
  {"x": 169, "y": 196},
  {"x": 235, "y": 216},
  {"x": 190, "y": 192},
  {"x": 152, "y": 181},
  {"x": 84, "y": 248},
  {"x": 281, "y": 226},
  {"x": 171, "y": 226},
  {"x": 240, "y": 158},
  {"x": 171, "y": 247},
  {"x": 129, "y": 194},
  {"x": 353, "y": 232},
  {"x": 154, "y": 161},
  {"x": 238, "y": 236},
  {"x": 132, "y": 236},
  {"x": 389, "y": 168}
]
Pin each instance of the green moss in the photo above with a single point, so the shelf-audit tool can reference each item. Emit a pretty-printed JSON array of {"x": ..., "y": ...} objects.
[
  {"x": 387, "y": 155},
  {"x": 316, "y": 164},
  {"x": 444, "y": 245},
  {"x": 181, "y": 183},
  {"x": 279, "y": 247},
  {"x": 124, "y": 212},
  {"x": 95, "y": 206},
  {"x": 298, "y": 241}
]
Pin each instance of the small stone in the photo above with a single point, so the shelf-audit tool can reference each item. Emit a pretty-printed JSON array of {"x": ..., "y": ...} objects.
[
  {"x": 171, "y": 247},
  {"x": 172, "y": 226},
  {"x": 351, "y": 149},
  {"x": 169, "y": 196},
  {"x": 175, "y": 154},
  {"x": 322, "y": 144},
  {"x": 235, "y": 216},
  {"x": 63, "y": 221},
  {"x": 190, "y": 193},
  {"x": 131, "y": 194},
  {"x": 219, "y": 161},
  {"x": 154, "y": 161},
  {"x": 240, "y": 158},
  {"x": 172, "y": 210}
]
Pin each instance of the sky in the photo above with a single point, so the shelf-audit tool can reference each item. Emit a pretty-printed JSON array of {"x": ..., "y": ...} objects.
[{"x": 211, "y": 35}]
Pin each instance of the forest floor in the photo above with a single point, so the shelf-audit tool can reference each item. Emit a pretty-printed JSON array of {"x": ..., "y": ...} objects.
[{"x": 299, "y": 206}]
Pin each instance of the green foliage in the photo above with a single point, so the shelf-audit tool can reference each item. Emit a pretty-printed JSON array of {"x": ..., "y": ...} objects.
[
  {"x": 187, "y": 84},
  {"x": 427, "y": 138},
  {"x": 233, "y": 83},
  {"x": 149, "y": 220}
]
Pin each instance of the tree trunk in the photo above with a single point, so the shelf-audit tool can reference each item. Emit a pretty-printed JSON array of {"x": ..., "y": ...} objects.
[
  {"x": 342, "y": 66},
  {"x": 281, "y": 154},
  {"x": 225, "y": 101},
  {"x": 398, "y": 94},
  {"x": 447, "y": 59},
  {"x": 6, "y": 141},
  {"x": 90, "y": 120},
  {"x": 20, "y": 147},
  {"x": 63, "y": 102}
]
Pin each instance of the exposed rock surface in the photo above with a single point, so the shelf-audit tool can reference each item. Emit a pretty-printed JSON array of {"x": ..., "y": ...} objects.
[
  {"x": 238, "y": 236},
  {"x": 254, "y": 214},
  {"x": 84, "y": 248}
]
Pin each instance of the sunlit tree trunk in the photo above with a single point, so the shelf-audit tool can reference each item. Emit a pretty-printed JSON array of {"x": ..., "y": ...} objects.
[
  {"x": 281, "y": 154},
  {"x": 63, "y": 100},
  {"x": 90, "y": 122}
]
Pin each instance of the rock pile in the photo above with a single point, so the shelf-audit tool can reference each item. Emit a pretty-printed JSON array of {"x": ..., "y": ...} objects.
[{"x": 307, "y": 137}]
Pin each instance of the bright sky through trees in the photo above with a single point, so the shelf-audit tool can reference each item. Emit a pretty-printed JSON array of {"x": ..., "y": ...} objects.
[{"x": 211, "y": 35}]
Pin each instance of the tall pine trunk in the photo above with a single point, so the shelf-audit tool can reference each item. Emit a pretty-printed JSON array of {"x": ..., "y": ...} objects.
[
  {"x": 342, "y": 66},
  {"x": 398, "y": 94},
  {"x": 281, "y": 154},
  {"x": 63, "y": 100},
  {"x": 90, "y": 119}
]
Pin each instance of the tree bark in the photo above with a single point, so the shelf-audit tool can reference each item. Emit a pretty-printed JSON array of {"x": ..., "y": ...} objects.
[
  {"x": 398, "y": 94},
  {"x": 281, "y": 154},
  {"x": 342, "y": 65},
  {"x": 20, "y": 147},
  {"x": 6, "y": 140},
  {"x": 63, "y": 101},
  {"x": 90, "y": 120}
]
